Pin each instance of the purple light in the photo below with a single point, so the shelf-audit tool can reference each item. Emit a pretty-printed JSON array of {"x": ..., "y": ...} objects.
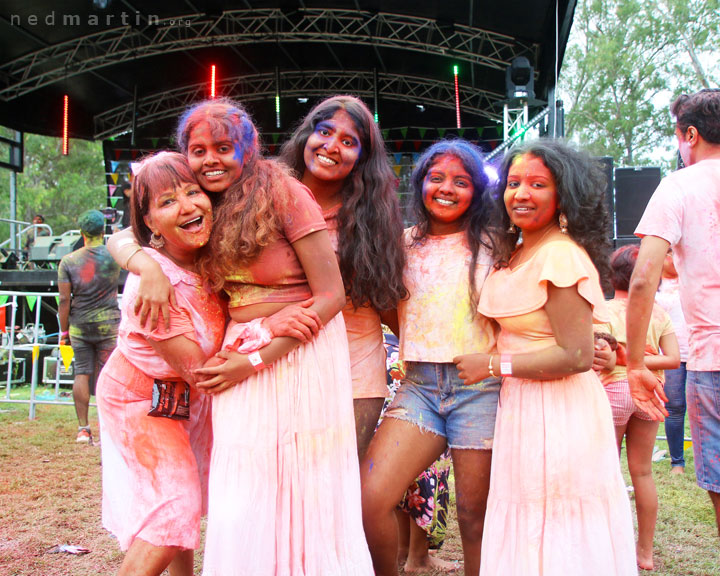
[{"x": 492, "y": 173}]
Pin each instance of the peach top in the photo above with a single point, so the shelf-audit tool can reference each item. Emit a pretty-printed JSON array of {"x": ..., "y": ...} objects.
[
  {"x": 660, "y": 325},
  {"x": 276, "y": 274},
  {"x": 685, "y": 211},
  {"x": 436, "y": 321},
  {"x": 516, "y": 297},
  {"x": 199, "y": 316},
  {"x": 364, "y": 333}
]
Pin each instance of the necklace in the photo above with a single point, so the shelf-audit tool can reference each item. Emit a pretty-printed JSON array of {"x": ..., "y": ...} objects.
[{"x": 523, "y": 253}]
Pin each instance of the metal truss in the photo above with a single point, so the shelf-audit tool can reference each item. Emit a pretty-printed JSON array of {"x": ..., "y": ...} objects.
[
  {"x": 238, "y": 27},
  {"x": 410, "y": 89}
]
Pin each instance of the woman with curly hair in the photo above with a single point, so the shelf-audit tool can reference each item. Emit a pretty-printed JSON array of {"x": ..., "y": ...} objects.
[
  {"x": 557, "y": 501},
  {"x": 448, "y": 258},
  {"x": 337, "y": 151}
]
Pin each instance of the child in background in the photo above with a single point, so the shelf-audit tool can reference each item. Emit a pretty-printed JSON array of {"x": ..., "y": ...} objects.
[
  {"x": 637, "y": 427},
  {"x": 448, "y": 259}
]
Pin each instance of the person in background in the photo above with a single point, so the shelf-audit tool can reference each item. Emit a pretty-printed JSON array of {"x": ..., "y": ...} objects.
[
  {"x": 668, "y": 297},
  {"x": 683, "y": 213},
  {"x": 88, "y": 311},
  {"x": 631, "y": 423},
  {"x": 30, "y": 235}
]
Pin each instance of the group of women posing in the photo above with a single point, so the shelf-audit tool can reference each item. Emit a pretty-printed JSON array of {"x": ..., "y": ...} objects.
[{"x": 284, "y": 399}]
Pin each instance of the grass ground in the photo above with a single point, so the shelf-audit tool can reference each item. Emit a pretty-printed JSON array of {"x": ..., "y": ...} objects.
[{"x": 50, "y": 494}]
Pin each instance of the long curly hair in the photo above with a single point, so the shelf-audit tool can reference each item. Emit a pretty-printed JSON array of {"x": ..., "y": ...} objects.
[
  {"x": 476, "y": 221},
  {"x": 580, "y": 183},
  {"x": 248, "y": 216},
  {"x": 154, "y": 174},
  {"x": 370, "y": 250}
]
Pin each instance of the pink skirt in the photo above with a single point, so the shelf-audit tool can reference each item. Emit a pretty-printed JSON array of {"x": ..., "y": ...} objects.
[
  {"x": 154, "y": 470},
  {"x": 284, "y": 476},
  {"x": 557, "y": 502}
]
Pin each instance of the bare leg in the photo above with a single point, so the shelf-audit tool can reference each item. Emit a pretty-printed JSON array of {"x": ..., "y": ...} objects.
[
  {"x": 472, "y": 484},
  {"x": 144, "y": 559},
  {"x": 419, "y": 559},
  {"x": 367, "y": 414},
  {"x": 640, "y": 440},
  {"x": 183, "y": 564},
  {"x": 398, "y": 452},
  {"x": 403, "y": 521},
  {"x": 81, "y": 397},
  {"x": 715, "y": 498}
]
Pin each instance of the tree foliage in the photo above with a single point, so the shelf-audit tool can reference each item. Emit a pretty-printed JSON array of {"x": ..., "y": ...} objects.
[
  {"x": 56, "y": 186},
  {"x": 625, "y": 61}
]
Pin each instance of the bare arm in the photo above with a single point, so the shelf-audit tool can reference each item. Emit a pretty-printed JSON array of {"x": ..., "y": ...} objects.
[
  {"x": 646, "y": 390},
  {"x": 321, "y": 269},
  {"x": 64, "y": 288},
  {"x": 183, "y": 355},
  {"x": 155, "y": 292},
  {"x": 669, "y": 358},
  {"x": 571, "y": 320}
]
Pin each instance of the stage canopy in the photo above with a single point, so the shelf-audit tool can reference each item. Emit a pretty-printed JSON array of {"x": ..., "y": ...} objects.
[{"x": 107, "y": 55}]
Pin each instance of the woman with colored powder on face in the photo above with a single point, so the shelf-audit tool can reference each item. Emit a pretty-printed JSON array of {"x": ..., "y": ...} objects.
[
  {"x": 155, "y": 469},
  {"x": 448, "y": 258},
  {"x": 638, "y": 428},
  {"x": 337, "y": 151},
  {"x": 557, "y": 502}
]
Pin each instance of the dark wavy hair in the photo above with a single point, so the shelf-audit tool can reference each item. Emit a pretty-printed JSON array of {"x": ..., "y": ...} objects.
[
  {"x": 580, "y": 183},
  {"x": 702, "y": 110},
  {"x": 153, "y": 175},
  {"x": 249, "y": 214},
  {"x": 370, "y": 249},
  {"x": 476, "y": 221},
  {"x": 622, "y": 264}
]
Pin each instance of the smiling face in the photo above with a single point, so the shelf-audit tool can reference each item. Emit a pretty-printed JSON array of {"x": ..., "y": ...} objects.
[
  {"x": 182, "y": 215},
  {"x": 447, "y": 192},
  {"x": 332, "y": 150},
  {"x": 531, "y": 195},
  {"x": 216, "y": 162}
]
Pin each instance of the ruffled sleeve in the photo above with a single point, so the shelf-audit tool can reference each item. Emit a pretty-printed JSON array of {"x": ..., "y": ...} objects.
[{"x": 524, "y": 289}]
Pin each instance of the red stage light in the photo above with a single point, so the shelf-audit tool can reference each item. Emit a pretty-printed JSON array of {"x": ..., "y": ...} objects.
[
  {"x": 457, "y": 96},
  {"x": 65, "y": 147},
  {"x": 212, "y": 81}
]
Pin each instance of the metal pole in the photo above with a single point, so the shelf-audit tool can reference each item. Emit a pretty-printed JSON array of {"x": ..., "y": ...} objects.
[{"x": 13, "y": 210}]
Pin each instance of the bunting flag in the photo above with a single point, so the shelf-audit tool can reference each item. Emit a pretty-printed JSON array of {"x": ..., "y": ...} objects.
[
  {"x": 31, "y": 302},
  {"x": 114, "y": 165},
  {"x": 422, "y": 132},
  {"x": 275, "y": 136},
  {"x": 57, "y": 300},
  {"x": 479, "y": 131},
  {"x": 2, "y": 319},
  {"x": 154, "y": 142},
  {"x": 415, "y": 157},
  {"x": 397, "y": 170},
  {"x": 417, "y": 144},
  {"x": 67, "y": 355},
  {"x": 117, "y": 152},
  {"x": 3, "y": 299},
  {"x": 271, "y": 149},
  {"x": 113, "y": 201},
  {"x": 134, "y": 154},
  {"x": 461, "y": 131},
  {"x": 35, "y": 353},
  {"x": 403, "y": 131},
  {"x": 398, "y": 144},
  {"x": 398, "y": 158},
  {"x": 441, "y": 132},
  {"x": 114, "y": 178},
  {"x": 499, "y": 130},
  {"x": 112, "y": 189},
  {"x": 386, "y": 134}
]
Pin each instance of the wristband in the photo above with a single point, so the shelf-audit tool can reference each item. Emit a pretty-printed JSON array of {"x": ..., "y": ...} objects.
[
  {"x": 256, "y": 360},
  {"x": 505, "y": 365},
  {"x": 490, "y": 367},
  {"x": 64, "y": 333}
]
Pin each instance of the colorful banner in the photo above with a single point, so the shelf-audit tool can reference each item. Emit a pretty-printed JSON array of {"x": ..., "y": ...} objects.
[{"x": 31, "y": 300}]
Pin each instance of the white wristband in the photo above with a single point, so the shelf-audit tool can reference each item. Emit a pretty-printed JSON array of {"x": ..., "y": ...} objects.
[{"x": 256, "y": 360}]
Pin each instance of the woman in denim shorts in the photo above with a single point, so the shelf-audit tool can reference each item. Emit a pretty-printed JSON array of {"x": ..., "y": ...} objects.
[{"x": 447, "y": 262}]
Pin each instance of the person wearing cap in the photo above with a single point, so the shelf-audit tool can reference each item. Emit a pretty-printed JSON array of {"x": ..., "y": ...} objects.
[{"x": 88, "y": 311}]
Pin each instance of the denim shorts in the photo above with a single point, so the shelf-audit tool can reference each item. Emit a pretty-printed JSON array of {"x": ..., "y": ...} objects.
[
  {"x": 433, "y": 397},
  {"x": 703, "y": 404}
]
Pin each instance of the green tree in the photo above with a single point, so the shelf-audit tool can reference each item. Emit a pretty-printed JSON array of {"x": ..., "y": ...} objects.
[
  {"x": 624, "y": 62},
  {"x": 56, "y": 186}
]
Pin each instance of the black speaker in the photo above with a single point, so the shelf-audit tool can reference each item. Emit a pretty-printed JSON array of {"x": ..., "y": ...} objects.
[{"x": 633, "y": 189}]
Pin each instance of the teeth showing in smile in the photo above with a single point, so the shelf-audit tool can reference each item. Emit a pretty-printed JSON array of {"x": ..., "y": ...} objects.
[
  {"x": 192, "y": 223},
  {"x": 444, "y": 202},
  {"x": 215, "y": 173},
  {"x": 325, "y": 160}
]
